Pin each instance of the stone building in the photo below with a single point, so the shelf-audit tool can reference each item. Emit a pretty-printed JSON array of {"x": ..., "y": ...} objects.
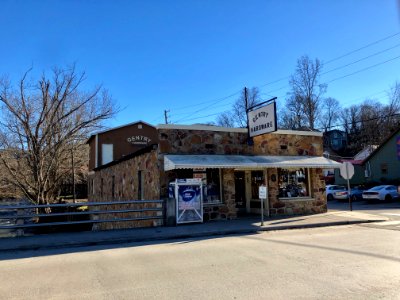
[{"x": 289, "y": 163}]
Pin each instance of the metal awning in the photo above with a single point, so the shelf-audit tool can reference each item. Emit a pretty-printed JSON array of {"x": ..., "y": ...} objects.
[{"x": 172, "y": 162}]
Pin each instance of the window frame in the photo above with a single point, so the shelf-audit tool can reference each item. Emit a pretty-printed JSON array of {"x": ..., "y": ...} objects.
[{"x": 308, "y": 184}]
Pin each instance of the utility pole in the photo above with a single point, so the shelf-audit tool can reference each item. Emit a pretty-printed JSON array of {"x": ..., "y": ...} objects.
[
  {"x": 245, "y": 99},
  {"x": 246, "y": 102},
  {"x": 166, "y": 115}
]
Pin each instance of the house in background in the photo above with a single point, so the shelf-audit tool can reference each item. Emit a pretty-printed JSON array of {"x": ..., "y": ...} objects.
[
  {"x": 383, "y": 164},
  {"x": 359, "y": 169},
  {"x": 335, "y": 139},
  {"x": 115, "y": 143}
]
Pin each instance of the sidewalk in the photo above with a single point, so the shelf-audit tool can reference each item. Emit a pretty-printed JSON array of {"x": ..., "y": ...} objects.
[{"x": 240, "y": 226}]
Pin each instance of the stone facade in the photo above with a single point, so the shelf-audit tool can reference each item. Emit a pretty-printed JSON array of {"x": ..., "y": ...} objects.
[
  {"x": 126, "y": 187},
  {"x": 287, "y": 144},
  {"x": 185, "y": 140}
]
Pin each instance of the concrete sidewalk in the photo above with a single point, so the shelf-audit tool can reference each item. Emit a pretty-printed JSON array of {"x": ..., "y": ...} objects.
[{"x": 216, "y": 228}]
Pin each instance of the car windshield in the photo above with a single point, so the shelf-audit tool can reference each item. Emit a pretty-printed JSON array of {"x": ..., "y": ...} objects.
[{"x": 377, "y": 188}]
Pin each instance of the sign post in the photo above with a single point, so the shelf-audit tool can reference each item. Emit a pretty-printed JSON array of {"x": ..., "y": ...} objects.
[
  {"x": 262, "y": 194},
  {"x": 347, "y": 172}
]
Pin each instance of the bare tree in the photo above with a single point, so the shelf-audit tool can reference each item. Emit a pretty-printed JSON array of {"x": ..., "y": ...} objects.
[
  {"x": 305, "y": 87},
  {"x": 42, "y": 122},
  {"x": 225, "y": 119},
  {"x": 238, "y": 116},
  {"x": 292, "y": 115},
  {"x": 331, "y": 111},
  {"x": 392, "y": 110}
]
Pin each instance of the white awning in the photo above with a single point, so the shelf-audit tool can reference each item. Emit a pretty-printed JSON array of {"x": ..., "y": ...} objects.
[{"x": 172, "y": 162}]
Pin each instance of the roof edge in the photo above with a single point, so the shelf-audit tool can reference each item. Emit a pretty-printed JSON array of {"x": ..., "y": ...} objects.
[
  {"x": 234, "y": 129},
  {"x": 118, "y": 127},
  {"x": 128, "y": 157}
]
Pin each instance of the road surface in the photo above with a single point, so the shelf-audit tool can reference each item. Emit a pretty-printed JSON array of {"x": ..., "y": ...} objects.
[{"x": 345, "y": 262}]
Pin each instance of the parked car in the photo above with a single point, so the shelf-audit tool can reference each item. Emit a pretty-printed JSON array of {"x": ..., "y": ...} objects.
[
  {"x": 355, "y": 194},
  {"x": 330, "y": 189},
  {"x": 381, "y": 193}
]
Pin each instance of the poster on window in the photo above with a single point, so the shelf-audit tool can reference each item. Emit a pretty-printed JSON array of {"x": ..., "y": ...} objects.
[{"x": 189, "y": 201}]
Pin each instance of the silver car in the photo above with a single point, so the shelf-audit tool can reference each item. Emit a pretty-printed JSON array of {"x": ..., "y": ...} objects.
[
  {"x": 331, "y": 189},
  {"x": 381, "y": 193}
]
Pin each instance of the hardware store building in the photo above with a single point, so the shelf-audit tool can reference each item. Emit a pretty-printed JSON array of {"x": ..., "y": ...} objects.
[{"x": 289, "y": 163}]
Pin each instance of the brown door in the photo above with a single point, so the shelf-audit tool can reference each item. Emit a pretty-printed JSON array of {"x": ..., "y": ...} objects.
[{"x": 240, "y": 192}]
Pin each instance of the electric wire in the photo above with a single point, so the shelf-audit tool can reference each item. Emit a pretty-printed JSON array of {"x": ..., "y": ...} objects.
[
  {"x": 339, "y": 57},
  {"x": 287, "y": 77}
]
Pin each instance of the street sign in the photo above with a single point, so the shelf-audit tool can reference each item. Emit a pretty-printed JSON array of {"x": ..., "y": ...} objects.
[
  {"x": 262, "y": 192},
  {"x": 347, "y": 170}
]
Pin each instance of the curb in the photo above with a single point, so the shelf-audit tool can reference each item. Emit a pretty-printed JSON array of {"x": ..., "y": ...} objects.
[{"x": 122, "y": 240}]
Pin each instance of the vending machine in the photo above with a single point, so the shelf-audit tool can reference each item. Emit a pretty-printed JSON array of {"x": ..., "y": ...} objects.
[{"x": 188, "y": 194}]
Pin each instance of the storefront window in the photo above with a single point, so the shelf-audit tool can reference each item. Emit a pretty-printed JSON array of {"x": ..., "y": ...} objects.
[
  {"x": 212, "y": 186},
  {"x": 293, "y": 183},
  {"x": 257, "y": 179},
  {"x": 211, "y": 182}
]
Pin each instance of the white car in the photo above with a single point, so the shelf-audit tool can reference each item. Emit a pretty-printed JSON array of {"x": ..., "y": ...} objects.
[
  {"x": 331, "y": 189},
  {"x": 381, "y": 193}
]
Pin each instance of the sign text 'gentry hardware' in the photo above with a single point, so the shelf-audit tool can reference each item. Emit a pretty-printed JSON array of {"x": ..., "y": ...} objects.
[{"x": 262, "y": 120}]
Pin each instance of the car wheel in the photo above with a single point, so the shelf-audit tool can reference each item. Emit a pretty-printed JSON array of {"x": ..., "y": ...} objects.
[
  {"x": 353, "y": 198},
  {"x": 388, "y": 198},
  {"x": 330, "y": 197}
]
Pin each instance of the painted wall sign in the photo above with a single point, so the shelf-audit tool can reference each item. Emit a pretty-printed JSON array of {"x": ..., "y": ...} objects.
[
  {"x": 189, "y": 198},
  {"x": 138, "y": 140},
  {"x": 262, "y": 120}
]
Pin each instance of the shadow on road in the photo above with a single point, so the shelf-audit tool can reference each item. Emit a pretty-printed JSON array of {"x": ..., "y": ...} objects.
[{"x": 376, "y": 255}]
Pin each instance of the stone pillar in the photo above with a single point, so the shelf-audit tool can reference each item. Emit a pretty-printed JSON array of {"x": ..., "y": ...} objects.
[{"x": 228, "y": 186}]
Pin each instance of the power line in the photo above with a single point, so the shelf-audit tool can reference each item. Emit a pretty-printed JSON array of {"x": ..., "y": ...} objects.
[
  {"x": 359, "y": 49},
  {"x": 357, "y": 61},
  {"x": 362, "y": 70},
  {"x": 209, "y": 101},
  {"x": 215, "y": 102},
  {"x": 360, "y": 121},
  {"x": 339, "y": 57},
  {"x": 287, "y": 77}
]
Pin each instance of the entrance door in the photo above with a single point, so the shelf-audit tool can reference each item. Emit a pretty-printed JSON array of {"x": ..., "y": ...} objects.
[{"x": 240, "y": 192}]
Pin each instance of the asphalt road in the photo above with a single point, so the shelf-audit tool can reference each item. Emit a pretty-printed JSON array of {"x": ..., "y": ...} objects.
[
  {"x": 346, "y": 262},
  {"x": 390, "y": 210}
]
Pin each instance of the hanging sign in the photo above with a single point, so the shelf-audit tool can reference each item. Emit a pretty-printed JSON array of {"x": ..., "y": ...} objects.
[
  {"x": 189, "y": 200},
  {"x": 262, "y": 120}
]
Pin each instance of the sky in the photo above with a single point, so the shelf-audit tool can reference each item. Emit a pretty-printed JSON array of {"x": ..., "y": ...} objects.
[{"x": 193, "y": 58}]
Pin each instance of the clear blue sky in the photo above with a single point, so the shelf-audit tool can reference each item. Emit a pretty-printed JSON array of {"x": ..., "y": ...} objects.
[{"x": 156, "y": 55}]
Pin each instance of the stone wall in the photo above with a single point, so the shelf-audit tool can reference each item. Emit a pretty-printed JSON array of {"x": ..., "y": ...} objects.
[
  {"x": 175, "y": 141},
  {"x": 288, "y": 144},
  {"x": 126, "y": 184},
  {"x": 183, "y": 141}
]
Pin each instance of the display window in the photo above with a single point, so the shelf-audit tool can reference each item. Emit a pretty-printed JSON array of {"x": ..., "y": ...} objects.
[{"x": 294, "y": 183}]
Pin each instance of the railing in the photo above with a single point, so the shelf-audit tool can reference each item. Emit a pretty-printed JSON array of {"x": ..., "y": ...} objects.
[{"x": 24, "y": 212}]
